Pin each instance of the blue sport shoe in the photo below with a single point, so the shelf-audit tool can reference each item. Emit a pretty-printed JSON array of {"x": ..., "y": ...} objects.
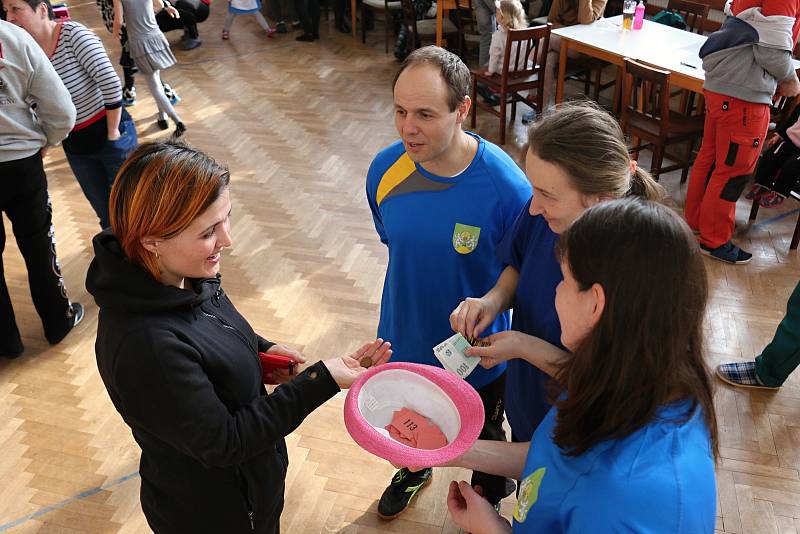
[
  {"x": 529, "y": 116},
  {"x": 171, "y": 94},
  {"x": 729, "y": 253},
  {"x": 129, "y": 97}
]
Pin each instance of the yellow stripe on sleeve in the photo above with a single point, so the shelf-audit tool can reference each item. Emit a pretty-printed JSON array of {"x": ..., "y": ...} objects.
[{"x": 394, "y": 176}]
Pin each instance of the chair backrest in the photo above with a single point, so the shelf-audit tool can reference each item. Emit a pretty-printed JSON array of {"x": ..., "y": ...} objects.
[
  {"x": 526, "y": 52},
  {"x": 694, "y": 13},
  {"x": 645, "y": 95}
]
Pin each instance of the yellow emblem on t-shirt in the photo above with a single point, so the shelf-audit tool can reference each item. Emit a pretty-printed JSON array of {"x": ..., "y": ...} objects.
[
  {"x": 465, "y": 238},
  {"x": 528, "y": 494}
]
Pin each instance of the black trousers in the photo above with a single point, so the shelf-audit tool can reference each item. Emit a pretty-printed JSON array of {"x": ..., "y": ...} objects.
[
  {"x": 192, "y": 12},
  {"x": 26, "y": 203},
  {"x": 495, "y": 488},
  {"x": 779, "y": 168},
  {"x": 308, "y": 13}
]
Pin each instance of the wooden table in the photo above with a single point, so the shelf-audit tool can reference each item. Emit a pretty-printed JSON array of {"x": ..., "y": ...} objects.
[{"x": 657, "y": 44}]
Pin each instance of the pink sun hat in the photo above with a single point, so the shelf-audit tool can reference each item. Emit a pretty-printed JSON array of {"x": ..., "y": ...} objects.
[{"x": 441, "y": 396}]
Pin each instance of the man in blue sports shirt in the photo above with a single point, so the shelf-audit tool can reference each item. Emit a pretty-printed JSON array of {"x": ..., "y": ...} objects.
[{"x": 441, "y": 199}]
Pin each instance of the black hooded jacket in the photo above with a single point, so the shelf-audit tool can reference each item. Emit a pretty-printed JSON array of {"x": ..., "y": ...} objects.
[{"x": 181, "y": 367}]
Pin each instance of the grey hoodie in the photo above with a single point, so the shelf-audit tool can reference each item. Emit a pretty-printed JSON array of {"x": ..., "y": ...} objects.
[
  {"x": 35, "y": 107},
  {"x": 749, "y": 55}
]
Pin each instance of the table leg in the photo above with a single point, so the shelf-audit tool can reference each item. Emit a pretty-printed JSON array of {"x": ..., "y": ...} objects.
[
  {"x": 562, "y": 71},
  {"x": 353, "y": 18}
]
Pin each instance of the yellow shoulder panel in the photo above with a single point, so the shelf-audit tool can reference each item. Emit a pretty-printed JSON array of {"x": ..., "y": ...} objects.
[{"x": 394, "y": 176}]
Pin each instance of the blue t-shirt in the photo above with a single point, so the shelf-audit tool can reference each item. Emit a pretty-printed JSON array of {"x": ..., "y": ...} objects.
[
  {"x": 442, "y": 234},
  {"x": 530, "y": 249},
  {"x": 658, "y": 479}
]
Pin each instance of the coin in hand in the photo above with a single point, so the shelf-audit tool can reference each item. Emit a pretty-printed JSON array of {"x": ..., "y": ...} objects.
[{"x": 366, "y": 362}]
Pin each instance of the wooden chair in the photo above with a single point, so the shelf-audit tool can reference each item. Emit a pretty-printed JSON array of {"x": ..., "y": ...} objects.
[
  {"x": 693, "y": 13},
  {"x": 523, "y": 70},
  {"x": 646, "y": 115},
  {"x": 426, "y": 28},
  {"x": 378, "y": 6},
  {"x": 467, "y": 27}
]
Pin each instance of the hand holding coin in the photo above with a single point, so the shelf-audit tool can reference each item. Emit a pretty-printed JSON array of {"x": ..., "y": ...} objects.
[{"x": 347, "y": 369}]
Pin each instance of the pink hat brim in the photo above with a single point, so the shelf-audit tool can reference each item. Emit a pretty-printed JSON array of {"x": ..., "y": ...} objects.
[{"x": 466, "y": 400}]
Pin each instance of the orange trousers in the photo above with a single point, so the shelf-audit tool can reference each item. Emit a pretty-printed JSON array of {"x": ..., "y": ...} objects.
[{"x": 734, "y": 131}]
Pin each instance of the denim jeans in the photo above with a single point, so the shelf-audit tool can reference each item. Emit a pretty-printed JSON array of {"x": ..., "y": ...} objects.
[{"x": 96, "y": 172}]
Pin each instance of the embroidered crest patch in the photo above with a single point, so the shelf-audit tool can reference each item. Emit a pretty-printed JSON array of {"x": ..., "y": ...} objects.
[
  {"x": 465, "y": 238},
  {"x": 528, "y": 494}
]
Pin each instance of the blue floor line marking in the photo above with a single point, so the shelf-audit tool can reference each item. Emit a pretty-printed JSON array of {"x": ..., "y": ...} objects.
[
  {"x": 776, "y": 218},
  {"x": 62, "y": 504}
]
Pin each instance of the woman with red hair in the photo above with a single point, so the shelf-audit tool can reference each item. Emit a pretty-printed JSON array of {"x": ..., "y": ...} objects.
[{"x": 182, "y": 366}]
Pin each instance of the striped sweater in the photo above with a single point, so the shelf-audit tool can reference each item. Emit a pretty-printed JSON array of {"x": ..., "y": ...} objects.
[{"x": 82, "y": 64}]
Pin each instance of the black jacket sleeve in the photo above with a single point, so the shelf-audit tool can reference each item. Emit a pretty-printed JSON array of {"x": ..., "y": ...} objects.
[
  {"x": 162, "y": 390},
  {"x": 263, "y": 344}
]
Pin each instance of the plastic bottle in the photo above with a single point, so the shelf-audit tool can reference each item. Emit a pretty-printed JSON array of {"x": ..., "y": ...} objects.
[{"x": 638, "y": 17}]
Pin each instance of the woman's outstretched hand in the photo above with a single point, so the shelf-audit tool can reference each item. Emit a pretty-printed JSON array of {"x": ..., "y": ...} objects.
[{"x": 347, "y": 369}]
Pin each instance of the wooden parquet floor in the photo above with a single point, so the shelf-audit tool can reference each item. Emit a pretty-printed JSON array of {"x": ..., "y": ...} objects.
[{"x": 298, "y": 125}]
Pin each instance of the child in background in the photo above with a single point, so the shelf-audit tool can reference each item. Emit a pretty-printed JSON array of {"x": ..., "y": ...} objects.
[
  {"x": 778, "y": 172},
  {"x": 149, "y": 50},
  {"x": 125, "y": 61},
  {"x": 510, "y": 16},
  {"x": 243, "y": 7}
]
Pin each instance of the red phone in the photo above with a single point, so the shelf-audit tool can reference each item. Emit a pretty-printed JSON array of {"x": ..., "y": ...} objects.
[{"x": 271, "y": 362}]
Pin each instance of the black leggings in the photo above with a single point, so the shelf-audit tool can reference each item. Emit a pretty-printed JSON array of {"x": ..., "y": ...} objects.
[
  {"x": 779, "y": 168},
  {"x": 192, "y": 13}
]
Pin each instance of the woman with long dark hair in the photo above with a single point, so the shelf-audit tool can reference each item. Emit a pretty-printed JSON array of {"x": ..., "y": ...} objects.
[{"x": 630, "y": 443}]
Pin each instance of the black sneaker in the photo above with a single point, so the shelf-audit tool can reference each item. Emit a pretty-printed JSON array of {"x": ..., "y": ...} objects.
[
  {"x": 75, "y": 313},
  {"x": 13, "y": 351},
  {"x": 281, "y": 27},
  {"x": 190, "y": 43},
  {"x": 162, "y": 124},
  {"x": 405, "y": 485},
  {"x": 180, "y": 129}
]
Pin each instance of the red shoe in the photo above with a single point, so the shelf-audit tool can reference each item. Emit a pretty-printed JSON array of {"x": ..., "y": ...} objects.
[
  {"x": 770, "y": 200},
  {"x": 225, "y": 35},
  {"x": 271, "y": 32}
]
